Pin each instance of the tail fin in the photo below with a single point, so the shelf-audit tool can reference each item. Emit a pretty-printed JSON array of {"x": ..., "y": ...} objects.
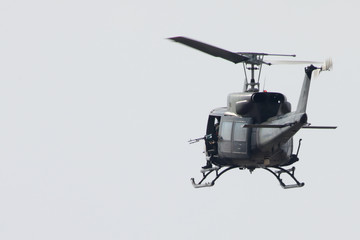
[
  {"x": 310, "y": 72},
  {"x": 304, "y": 94}
]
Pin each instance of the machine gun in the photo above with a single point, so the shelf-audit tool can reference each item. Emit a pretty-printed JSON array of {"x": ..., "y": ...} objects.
[{"x": 209, "y": 137}]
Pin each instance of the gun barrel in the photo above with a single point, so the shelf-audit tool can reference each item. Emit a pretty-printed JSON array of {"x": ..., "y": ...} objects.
[{"x": 191, "y": 141}]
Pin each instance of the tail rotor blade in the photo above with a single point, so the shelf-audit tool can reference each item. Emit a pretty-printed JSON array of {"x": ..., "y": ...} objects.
[
  {"x": 328, "y": 65},
  {"x": 315, "y": 73}
]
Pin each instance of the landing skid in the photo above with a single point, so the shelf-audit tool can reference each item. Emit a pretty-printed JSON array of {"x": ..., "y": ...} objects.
[
  {"x": 207, "y": 172},
  {"x": 290, "y": 172},
  {"x": 219, "y": 171}
]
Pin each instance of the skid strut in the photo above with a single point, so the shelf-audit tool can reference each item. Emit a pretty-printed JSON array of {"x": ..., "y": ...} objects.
[
  {"x": 290, "y": 172},
  {"x": 207, "y": 172}
]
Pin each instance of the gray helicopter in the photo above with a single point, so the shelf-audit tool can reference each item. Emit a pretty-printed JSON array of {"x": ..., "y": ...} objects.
[{"x": 256, "y": 128}]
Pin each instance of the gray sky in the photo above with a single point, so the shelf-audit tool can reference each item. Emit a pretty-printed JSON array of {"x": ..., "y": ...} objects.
[{"x": 97, "y": 107}]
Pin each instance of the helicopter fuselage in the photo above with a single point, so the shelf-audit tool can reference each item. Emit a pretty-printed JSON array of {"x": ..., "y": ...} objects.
[
  {"x": 253, "y": 131},
  {"x": 256, "y": 129}
]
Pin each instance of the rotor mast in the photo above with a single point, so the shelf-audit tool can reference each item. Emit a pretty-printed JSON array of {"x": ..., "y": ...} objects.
[
  {"x": 253, "y": 85},
  {"x": 254, "y": 63}
]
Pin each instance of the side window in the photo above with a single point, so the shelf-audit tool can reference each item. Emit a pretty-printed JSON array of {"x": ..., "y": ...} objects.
[
  {"x": 240, "y": 143},
  {"x": 226, "y": 128},
  {"x": 240, "y": 133}
]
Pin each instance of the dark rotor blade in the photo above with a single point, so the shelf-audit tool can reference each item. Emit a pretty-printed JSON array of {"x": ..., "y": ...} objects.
[{"x": 214, "y": 51}]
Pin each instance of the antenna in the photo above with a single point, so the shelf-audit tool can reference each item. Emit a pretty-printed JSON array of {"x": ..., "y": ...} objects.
[{"x": 264, "y": 84}]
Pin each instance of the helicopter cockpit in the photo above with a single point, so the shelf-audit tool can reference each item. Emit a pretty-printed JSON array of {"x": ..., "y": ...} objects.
[{"x": 226, "y": 137}]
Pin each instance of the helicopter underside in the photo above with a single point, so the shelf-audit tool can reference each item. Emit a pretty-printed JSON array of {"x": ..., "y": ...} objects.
[
  {"x": 256, "y": 160},
  {"x": 273, "y": 163}
]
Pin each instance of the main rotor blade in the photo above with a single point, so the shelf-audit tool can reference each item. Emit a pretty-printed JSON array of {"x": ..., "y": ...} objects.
[
  {"x": 214, "y": 51},
  {"x": 276, "y": 62}
]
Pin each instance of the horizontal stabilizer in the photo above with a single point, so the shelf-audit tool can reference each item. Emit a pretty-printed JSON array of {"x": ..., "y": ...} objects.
[
  {"x": 268, "y": 125},
  {"x": 286, "y": 125},
  {"x": 320, "y": 127}
]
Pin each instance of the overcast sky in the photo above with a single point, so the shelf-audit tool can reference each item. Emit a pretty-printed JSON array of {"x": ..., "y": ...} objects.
[{"x": 97, "y": 107}]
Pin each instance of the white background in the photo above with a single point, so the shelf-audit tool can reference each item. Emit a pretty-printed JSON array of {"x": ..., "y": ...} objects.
[{"x": 97, "y": 107}]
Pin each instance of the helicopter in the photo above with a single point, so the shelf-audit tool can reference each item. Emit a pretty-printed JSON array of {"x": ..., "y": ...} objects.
[{"x": 255, "y": 130}]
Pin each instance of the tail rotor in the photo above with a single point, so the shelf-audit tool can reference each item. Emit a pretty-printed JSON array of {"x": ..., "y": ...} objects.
[{"x": 327, "y": 66}]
